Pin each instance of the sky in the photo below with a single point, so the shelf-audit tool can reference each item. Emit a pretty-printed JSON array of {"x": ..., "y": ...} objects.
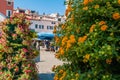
[{"x": 42, "y": 6}]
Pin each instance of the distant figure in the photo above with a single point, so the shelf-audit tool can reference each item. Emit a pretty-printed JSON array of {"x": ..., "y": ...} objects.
[
  {"x": 47, "y": 43},
  {"x": 37, "y": 45}
]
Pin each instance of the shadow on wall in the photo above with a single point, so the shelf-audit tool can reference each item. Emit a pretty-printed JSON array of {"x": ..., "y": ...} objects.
[{"x": 46, "y": 76}]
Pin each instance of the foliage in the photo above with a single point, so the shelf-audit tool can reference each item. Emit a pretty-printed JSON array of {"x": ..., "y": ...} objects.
[
  {"x": 16, "y": 52},
  {"x": 90, "y": 41}
]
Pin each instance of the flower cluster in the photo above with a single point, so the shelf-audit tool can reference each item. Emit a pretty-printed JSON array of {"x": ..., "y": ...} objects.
[
  {"x": 89, "y": 41},
  {"x": 16, "y": 52}
]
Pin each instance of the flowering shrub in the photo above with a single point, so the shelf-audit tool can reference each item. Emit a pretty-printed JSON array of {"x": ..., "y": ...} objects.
[
  {"x": 16, "y": 52},
  {"x": 89, "y": 41}
]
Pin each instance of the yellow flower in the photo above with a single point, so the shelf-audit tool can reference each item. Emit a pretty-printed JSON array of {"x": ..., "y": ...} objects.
[
  {"x": 108, "y": 61},
  {"x": 102, "y": 23},
  {"x": 116, "y": 16},
  {"x": 77, "y": 75},
  {"x": 118, "y": 1},
  {"x": 104, "y": 27},
  {"x": 92, "y": 27},
  {"x": 87, "y": 56},
  {"x": 85, "y": 8},
  {"x": 96, "y": 6}
]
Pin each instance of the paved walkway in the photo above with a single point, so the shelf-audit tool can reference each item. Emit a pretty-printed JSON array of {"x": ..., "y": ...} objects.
[{"x": 47, "y": 60}]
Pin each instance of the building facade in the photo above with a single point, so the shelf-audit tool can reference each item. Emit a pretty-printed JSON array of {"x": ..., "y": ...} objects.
[
  {"x": 46, "y": 23},
  {"x": 41, "y": 23},
  {"x": 6, "y": 7}
]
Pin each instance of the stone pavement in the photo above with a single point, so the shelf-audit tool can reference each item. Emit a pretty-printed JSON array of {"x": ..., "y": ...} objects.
[{"x": 47, "y": 60}]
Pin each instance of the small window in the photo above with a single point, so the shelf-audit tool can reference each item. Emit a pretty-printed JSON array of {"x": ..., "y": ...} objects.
[
  {"x": 9, "y": 3},
  {"x": 36, "y": 26},
  {"x": 52, "y": 22},
  {"x": 42, "y": 26},
  {"x": 8, "y": 13},
  {"x": 59, "y": 19},
  {"x": 48, "y": 27},
  {"x": 51, "y": 27}
]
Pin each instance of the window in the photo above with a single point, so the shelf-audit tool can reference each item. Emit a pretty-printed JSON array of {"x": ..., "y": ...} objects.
[
  {"x": 8, "y": 13},
  {"x": 51, "y": 27},
  {"x": 36, "y": 26},
  {"x": 52, "y": 22},
  {"x": 48, "y": 27},
  {"x": 9, "y": 3},
  {"x": 59, "y": 19},
  {"x": 42, "y": 26}
]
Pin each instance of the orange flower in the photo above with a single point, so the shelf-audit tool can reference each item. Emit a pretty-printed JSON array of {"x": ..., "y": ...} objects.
[
  {"x": 69, "y": 9},
  {"x": 116, "y": 16},
  {"x": 54, "y": 31},
  {"x": 96, "y": 6},
  {"x": 104, "y": 27},
  {"x": 72, "y": 36},
  {"x": 56, "y": 77},
  {"x": 85, "y": 8},
  {"x": 68, "y": 44},
  {"x": 90, "y": 0},
  {"x": 72, "y": 39},
  {"x": 118, "y": 1},
  {"x": 82, "y": 39},
  {"x": 61, "y": 50},
  {"x": 85, "y": 2},
  {"x": 102, "y": 23},
  {"x": 56, "y": 39},
  {"x": 61, "y": 71},
  {"x": 92, "y": 27},
  {"x": 108, "y": 61},
  {"x": 64, "y": 40},
  {"x": 57, "y": 55},
  {"x": 63, "y": 26}
]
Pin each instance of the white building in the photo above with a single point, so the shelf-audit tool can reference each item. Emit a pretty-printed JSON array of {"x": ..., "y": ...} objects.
[
  {"x": 46, "y": 23},
  {"x": 42, "y": 23}
]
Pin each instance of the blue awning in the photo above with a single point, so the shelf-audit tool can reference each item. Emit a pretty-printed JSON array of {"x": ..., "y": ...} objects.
[{"x": 45, "y": 35}]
